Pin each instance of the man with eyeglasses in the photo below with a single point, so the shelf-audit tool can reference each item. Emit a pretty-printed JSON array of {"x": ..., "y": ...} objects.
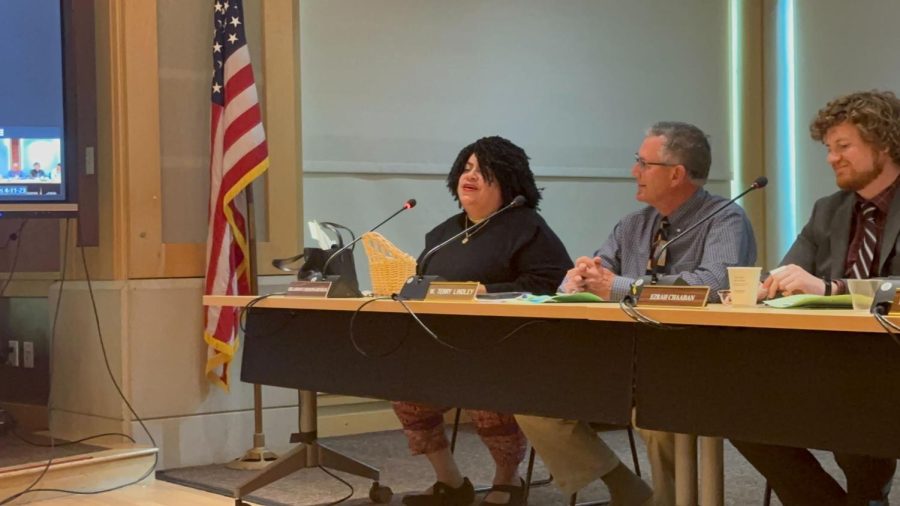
[{"x": 671, "y": 168}]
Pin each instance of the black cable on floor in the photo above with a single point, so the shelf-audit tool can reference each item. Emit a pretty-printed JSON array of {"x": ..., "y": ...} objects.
[
  {"x": 345, "y": 482},
  {"x": 69, "y": 443},
  {"x": 31, "y": 488}
]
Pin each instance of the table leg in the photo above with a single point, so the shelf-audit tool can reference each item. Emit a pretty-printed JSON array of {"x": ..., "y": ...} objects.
[
  {"x": 712, "y": 478},
  {"x": 309, "y": 453}
]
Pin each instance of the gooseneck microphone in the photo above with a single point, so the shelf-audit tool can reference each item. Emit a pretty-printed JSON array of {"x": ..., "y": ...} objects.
[
  {"x": 409, "y": 204},
  {"x": 516, "y": 202},
  {"x": 342, "y": 288},
  {"x": 417, "y": 286},
  {"x": 758, "y": 183}
]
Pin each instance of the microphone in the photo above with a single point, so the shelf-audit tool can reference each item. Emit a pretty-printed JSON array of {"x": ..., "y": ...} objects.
[
  {"x": 758, "y": 183},
  {"x": 349, "y": 291},
  {"x": 417, "y": 286}
]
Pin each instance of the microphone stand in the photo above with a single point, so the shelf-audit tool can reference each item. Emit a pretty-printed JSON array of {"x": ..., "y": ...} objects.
[
  {"x": 340, "y": 287},
  {"x": 416, "y": 287},
  {"x": 638, "y": 284},
  {"x": 760, "y": 182}
]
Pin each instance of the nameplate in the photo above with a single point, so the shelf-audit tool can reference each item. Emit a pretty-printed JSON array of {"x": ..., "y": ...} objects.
[
  {"x": 317, "y": 289},
  {"x": 895, "y": 307},
  {"x": 446, "y": 290},
  {"x": 673, "y": 296}
]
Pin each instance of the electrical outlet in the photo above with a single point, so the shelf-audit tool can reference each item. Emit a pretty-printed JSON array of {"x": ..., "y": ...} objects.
[
  {"x": 13, "y": 358},
  {"x": 28, "y": 354}
]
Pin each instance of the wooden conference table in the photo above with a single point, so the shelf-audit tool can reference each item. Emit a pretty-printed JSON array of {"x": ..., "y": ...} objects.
[{"x": 824, "y": 379}]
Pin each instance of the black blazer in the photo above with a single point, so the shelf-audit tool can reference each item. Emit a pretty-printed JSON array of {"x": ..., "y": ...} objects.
[{"x": 821, "y": 247}]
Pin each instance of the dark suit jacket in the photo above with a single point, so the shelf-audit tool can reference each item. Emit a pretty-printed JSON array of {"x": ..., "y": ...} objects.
[{"x": 821, "y": 247}]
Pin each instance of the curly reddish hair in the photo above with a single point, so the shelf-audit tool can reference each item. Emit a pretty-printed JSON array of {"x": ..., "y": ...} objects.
[{"x": 876, "y": 114}]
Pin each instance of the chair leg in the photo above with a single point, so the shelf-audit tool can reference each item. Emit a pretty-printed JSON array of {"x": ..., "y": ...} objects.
[
  {"x": 529, "y": 475},
  {"x": 767, "y": 497},
  {"x": 455, "y": 430},
  {"x": 634, "y": 453}
]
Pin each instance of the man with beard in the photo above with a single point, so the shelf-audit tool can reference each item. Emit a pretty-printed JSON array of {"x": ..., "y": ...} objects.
[{"x": 854, "y": 233}]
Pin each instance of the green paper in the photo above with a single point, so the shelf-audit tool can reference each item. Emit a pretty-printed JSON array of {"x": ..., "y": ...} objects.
[
  {"x": 576, "y": 297},
  {"x": 811, "y": 301},
  {"x": 565, "y": 297}
]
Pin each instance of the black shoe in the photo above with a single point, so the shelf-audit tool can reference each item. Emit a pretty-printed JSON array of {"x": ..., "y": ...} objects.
[
  {"x": 444, "y": 495},
  {"x": 516, "y": 495}
]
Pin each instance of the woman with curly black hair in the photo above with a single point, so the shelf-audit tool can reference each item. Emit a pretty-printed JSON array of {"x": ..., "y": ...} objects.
[{"x": 513, "y": 251}]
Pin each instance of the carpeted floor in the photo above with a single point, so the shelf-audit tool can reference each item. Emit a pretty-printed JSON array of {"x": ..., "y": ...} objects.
[
  {"x": 403, "y": 473},
  {"x": 14, "y": 451}
]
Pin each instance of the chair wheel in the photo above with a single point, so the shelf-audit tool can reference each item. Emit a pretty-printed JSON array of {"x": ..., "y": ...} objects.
[{"x": 379, "y": 494}]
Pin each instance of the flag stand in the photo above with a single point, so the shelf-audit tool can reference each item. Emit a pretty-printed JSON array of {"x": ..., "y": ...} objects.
[{"x": 259, "y": 456}]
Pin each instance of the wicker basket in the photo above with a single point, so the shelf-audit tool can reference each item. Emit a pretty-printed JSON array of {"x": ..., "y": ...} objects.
[{"x": 389, "y": 266}]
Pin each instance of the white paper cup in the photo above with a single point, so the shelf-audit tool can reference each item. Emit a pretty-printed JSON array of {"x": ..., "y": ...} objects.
[
  {"x": 862, "y": 291},
  {"x": 744, "y": 285}
]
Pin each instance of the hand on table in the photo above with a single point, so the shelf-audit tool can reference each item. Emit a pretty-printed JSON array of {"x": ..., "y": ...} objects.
[{"x": 789, "y": 280}]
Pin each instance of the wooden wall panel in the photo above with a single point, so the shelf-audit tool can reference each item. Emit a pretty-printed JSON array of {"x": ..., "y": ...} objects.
[{"x": 134, "y": 120}]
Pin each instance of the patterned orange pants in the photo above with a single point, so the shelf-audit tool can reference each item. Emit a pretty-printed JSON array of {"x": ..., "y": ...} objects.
[{"x": 424, "y": 428}]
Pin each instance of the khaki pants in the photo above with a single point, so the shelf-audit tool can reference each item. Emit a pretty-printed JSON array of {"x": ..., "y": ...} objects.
[
  {"x": 576, "y": 456},
  {"x": 661, "y": 453},
  {"x": 573, "y": 453}
]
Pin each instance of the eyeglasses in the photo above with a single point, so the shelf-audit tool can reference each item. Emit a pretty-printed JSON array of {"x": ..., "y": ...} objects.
[{"x": 643, "y": 164}]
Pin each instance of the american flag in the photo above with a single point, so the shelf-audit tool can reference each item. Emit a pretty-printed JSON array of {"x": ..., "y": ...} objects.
[{"x": 239, "y": 155}]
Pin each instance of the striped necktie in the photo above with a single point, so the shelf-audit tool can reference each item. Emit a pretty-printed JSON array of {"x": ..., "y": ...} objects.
[
  {"x": 659, "y": 240},
  {"x": 862, "y": 267}
]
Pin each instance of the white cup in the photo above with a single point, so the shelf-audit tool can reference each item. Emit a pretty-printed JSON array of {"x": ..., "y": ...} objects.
[
  {"x": 744, "y": 285},
  {"x": 862, "y": 291}
]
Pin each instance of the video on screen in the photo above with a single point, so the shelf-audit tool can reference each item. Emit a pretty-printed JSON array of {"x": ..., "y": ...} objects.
[
  {"x": 31, "y": 167},
  {"x": 33, "y": 138}
]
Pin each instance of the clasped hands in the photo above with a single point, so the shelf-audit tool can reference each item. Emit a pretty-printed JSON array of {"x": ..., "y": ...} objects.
[
  {"x": 589, "y": 275},
  {"x": 789, "y": 280}
]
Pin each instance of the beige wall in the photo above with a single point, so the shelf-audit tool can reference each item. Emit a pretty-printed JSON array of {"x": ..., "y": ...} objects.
[{"x": 393, "y": 89}]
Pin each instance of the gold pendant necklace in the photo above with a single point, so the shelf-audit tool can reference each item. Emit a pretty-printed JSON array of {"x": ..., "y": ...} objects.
[{"x": 480, "y": 223}]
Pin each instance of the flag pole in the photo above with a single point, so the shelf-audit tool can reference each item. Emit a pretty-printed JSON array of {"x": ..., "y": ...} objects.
[{"x": 259, "y": 456}]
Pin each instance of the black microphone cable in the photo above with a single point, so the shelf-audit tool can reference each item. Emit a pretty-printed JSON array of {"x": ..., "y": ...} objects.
[
  {"x": 343, "y": 481},
  {"x": 626, "y": 304},
  {"x": 242, "y": 313},
  {"x": 428, "y": 331},
  {"x": 355, "y": 342},
  {"x": 890, "y": 327},
  {"x": 17, "y": 237},
  {"x": 453, "y": 347}
]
